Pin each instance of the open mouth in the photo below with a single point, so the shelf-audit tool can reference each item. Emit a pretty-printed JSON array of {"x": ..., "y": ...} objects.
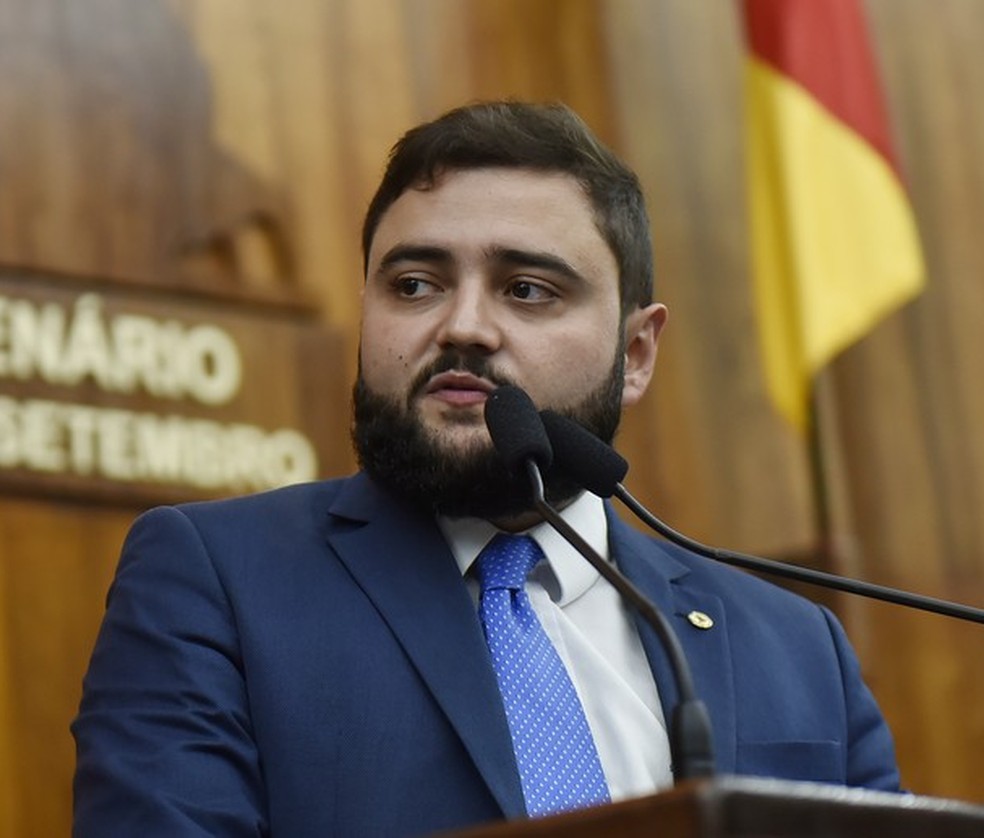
[{"x": 461, "y": 389}]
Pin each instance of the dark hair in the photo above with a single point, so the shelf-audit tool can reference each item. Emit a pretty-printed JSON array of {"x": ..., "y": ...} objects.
[{"x": 520, "y": 135}]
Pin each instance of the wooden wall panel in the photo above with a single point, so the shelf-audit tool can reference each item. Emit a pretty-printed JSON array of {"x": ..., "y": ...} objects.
[
  {"x": 57, "y": 562},
  {"x": 910, "y": 407},
  {"x": 115, "y": 177},
  {"x": 108, "y": 164}
]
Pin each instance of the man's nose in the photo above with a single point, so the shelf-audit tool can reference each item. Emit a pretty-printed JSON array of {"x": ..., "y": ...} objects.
[{"x": 470, "y": 321}]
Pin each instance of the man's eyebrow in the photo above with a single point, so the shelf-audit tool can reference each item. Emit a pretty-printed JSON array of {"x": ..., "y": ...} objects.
[
  {"x": 535, "y": 259},
  {"x": 518, "y": 257},
  {"x": 414, "y": 253}
]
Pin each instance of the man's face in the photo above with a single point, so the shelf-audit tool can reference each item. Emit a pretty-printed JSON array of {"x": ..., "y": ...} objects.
[{"x": 492, "y": 276}]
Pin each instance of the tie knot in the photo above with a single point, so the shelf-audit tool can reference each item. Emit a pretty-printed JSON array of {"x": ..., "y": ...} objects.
[{"x": 506, "y": 562}]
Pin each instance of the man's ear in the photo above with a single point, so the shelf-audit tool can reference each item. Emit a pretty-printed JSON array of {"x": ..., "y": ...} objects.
[{"x": 642, "y": 330}]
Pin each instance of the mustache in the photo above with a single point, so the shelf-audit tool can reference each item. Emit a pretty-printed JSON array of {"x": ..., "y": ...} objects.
[{"x": 460, "y": 361}]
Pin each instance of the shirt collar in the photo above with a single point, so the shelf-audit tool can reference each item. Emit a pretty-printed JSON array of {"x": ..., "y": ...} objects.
[{"x": 567, "y": 574}]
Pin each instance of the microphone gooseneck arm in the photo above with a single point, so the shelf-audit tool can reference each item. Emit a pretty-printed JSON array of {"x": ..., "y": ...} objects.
[
  {"x": 798, "y": 573},
  {"x": 522, "y": 441},
  {"x": 691, "y": 744},
  {"x": 594, "y": 464}
]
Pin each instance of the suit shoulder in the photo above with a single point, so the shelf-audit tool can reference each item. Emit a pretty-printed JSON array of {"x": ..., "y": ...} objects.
[
  {"x": 246, "y": 524},
  {"x": 740, "y": 583},
  {"x": 740, "y": 589},
  {"x": 285, "y": 500}
]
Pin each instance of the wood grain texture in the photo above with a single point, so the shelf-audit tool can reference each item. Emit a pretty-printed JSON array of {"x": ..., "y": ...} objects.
[
  {"x": 57, "y": 563},
  {"x": 910, "y": 406}
]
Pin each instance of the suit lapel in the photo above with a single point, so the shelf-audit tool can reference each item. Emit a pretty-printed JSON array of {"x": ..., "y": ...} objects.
[
  {"x": 402, "y": 563},
  {"x": 665, "y": 581}
]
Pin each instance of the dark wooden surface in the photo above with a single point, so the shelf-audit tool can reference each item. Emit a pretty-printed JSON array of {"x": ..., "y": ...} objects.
[{"x": 745, "y": 807}]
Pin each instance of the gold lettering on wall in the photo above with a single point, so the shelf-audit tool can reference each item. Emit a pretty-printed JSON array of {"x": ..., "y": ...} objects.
[
  {"x": 61, "y": 344},
  {"x": 117, "y": 389}
]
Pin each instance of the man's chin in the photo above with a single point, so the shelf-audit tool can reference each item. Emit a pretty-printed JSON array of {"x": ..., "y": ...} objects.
[
  {"x": 448, "y": 467},
  {"x": 442, "y": 419},
  {"x": 441, "y": 458},
  {"x": 459, "y": 440}
]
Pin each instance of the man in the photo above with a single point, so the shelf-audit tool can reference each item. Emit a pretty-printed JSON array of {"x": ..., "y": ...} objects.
[{"x": 323, "y": 659}]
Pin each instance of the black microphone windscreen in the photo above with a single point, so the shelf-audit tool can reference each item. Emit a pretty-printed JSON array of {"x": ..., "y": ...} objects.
[
  {"x": 516, "y": 428},
  {"x": 582, "y": 457}
]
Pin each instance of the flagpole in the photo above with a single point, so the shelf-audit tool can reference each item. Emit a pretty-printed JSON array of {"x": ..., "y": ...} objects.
[{"x": 838, "y": 548}]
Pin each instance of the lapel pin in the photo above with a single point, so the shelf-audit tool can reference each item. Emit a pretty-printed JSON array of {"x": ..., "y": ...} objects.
[{"x": 700, "y": 620}]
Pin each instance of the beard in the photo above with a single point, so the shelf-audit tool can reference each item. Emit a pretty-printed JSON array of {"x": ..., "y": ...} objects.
[{"x": 401, "y": 454}]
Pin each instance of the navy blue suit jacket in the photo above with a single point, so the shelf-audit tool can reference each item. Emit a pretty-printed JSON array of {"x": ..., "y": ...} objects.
[{"x": 308, "y": 662}]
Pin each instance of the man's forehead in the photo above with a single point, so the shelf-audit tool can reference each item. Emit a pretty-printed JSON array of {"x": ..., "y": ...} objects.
[{"x": 498, "y": 209}]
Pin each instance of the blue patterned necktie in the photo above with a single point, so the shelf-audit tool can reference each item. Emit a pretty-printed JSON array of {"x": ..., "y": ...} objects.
[{"x": 558, "y": 763}]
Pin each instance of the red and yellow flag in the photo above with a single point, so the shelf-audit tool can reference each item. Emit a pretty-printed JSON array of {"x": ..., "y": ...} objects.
[{"x": 834, "y": 243}]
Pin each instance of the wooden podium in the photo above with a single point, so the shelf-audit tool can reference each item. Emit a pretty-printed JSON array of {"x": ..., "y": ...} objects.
[{"x": 747, "y": 807}]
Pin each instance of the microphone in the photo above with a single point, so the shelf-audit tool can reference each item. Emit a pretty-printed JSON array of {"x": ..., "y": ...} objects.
[
  {"x": 583, "y": 457},
  {"x": 519, "y": 436},
  {"x": 591, "y": 463},
  {"x": 516, "y": 429}
]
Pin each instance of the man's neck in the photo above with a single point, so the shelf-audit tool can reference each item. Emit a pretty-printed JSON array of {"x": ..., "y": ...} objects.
[
  {"x": 517, "y": 523},
  {"x": 527, "y": 519}
]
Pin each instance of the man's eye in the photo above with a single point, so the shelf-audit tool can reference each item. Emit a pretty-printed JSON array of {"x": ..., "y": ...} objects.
[
  {"x": 412, "y": 286},
  {"x": 523, "y": 290}
]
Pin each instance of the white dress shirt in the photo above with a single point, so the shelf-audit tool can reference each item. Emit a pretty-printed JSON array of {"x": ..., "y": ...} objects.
[{"x": 594, "y": 634}]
